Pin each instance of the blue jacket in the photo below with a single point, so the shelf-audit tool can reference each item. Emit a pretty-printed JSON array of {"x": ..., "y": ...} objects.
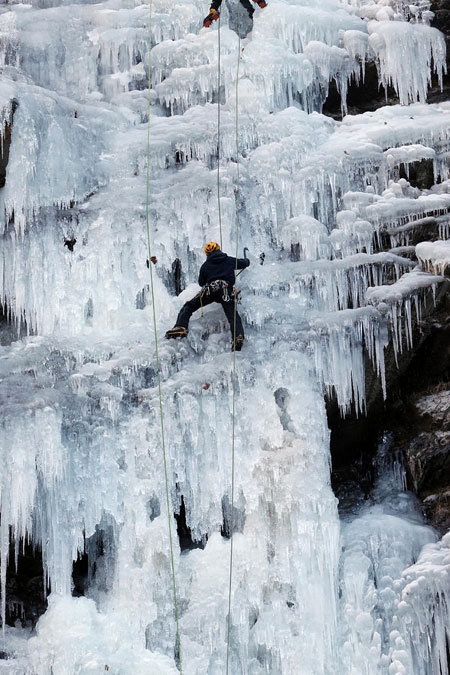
[{"x": 219, "y": 265}]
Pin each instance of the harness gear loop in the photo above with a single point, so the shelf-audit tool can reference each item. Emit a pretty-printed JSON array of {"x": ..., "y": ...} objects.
[{"x": 219, "y": 286}]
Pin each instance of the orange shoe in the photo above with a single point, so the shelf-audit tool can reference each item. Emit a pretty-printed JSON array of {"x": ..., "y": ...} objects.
[
  {"x": 177, "y": 332},
  {"x": 212, "y": 16}
]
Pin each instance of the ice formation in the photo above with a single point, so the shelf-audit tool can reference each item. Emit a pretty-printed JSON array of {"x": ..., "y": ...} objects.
[
  {"x": 80, "y": 435},
  {"x": 434, "y": 256},
  {"x": 378, "y": 543}
]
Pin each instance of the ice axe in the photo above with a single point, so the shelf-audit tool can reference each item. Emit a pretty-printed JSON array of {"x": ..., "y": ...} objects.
[{"x": 245, "y": 258}]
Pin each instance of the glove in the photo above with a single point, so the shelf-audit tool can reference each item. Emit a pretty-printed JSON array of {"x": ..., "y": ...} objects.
[{"x": 212, "y": 16}]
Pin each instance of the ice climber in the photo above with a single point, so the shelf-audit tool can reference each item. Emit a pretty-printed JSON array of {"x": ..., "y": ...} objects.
[
  {"x": 217, "y": 279},
  {"x": 214, "y": 10}
]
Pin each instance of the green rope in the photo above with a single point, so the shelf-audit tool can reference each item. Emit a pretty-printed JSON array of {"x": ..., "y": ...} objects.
[
  {"x": 161, "y": 414},
  {"x": 233, "y": 437},
  {"x": 219, "y": 131}
]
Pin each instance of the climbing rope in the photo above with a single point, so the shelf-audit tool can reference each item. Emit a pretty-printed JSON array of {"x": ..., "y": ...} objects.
[
  {"x": 219, "y": 66},
  {"x": 158, "y": 369},
  {"x": 233, "y": 413}
]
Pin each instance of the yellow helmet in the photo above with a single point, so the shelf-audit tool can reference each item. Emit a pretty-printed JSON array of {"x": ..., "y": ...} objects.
[{"x": 211, "y": 246}]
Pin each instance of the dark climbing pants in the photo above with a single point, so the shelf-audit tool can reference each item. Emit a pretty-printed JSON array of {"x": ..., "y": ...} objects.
[
  {"x": 228, "y": 307},
  {"x": 245, "y": 3}
]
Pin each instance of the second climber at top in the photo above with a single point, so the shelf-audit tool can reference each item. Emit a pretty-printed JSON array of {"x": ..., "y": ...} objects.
[
  {"x": 217, "y": 278},
  {"x": 214, "y": 10}
]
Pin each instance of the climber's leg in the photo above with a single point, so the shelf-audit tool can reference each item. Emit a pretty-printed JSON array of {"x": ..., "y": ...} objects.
[
  {"x": 182, "y": 324},
  {"x": 237, "y": 334},
  {"x": 248, "y": 7},
  {"x": 213, "y": 13}
]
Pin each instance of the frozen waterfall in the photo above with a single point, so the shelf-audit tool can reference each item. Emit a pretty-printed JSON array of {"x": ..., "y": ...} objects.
[{"x": 329, "y": 205}]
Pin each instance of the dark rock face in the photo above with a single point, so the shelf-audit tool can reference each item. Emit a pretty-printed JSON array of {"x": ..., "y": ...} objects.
[
  {"x": 25, "y": 592},
  {"x": 179, "y": 283},
  {"x": 417, "y": 413},
  {"x": 421, "y": 175},
  {"x": 5, "y": 146},
  {"x": 93, "y": 570},
  {"x": 427, "y": 455},
  {"x": 187, "y": 543},
  {"x": 423, "y": 369},
  {"x": 9, "y": 332},
  {"x": 369, "y": 95},
  {"x": 441, "y": 9},
  {"x": 363, "y": 97}
]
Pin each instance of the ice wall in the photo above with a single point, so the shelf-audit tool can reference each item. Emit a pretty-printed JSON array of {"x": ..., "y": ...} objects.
[
  {"x": 80, "y": 426},
  {"x": 379, "y": 541}
]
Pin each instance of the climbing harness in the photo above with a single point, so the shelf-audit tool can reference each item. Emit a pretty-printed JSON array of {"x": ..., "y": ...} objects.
[
  {"x": 158, "y": 368},
  {"x": 219, "y": 286}
]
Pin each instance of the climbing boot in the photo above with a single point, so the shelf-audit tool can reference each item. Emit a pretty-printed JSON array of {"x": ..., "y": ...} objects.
[
  {"x": 236, "y": 344},
  {"x": 261, "y": 3},
  {"x": 177, "y": 332},
  {"x": 212, "y": 16}
]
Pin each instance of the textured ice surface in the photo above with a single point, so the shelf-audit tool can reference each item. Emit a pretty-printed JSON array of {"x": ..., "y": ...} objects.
[
  {"x": 397, "y": 45},
  {"x": 108, "y": 643},
  {"x": 385, "y": 537},
  {"x": 425, "y": 604},
  {"x": 80, "y": 436},
  {"x": 434, "y": 256}
]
